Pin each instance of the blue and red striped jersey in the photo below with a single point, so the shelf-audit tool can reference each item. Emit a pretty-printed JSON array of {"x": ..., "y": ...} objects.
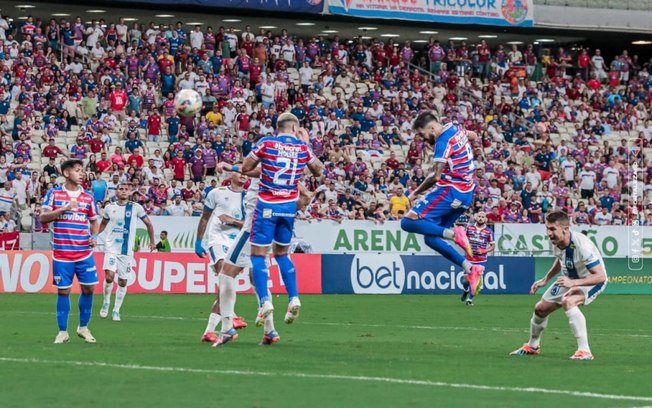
[
  {"x": 283, "y": 159},
  {"x": 453, "y": 148},
  {"x": 480, "y": 239},
  {"x": 71, "y": 231}
]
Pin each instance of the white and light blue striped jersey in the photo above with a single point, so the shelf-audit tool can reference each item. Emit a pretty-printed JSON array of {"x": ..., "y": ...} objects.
[
  {"x": 578, "y": 257},
  {"x": 120, "y": 232},
  {"x": 283, "y": 159},
  {"x": 223, "y": 201},
  {"x": 453, "y": 148}
]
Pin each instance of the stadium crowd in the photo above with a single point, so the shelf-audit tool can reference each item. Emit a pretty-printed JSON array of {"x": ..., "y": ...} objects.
[{"x": 558, "y": 128}]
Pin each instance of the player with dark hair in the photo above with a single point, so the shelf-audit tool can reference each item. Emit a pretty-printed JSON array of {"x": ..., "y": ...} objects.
[
  {"x": 583, "y": 278},
  {"x": 451, "y": 177},
  {"x": 482, "y": 242},
  {"x": 73, "y": 213}
]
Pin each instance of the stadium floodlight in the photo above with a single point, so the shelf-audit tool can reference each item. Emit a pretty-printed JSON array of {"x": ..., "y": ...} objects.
[
  {"x": 194, "y": 23},
  {"x": 458, "y": 38},
  {"x": 427, "y": 32},
  {"x": 515, "y": 42},
  {"x": 545, "y": 40},
  {"x": 130, "y": 19},
  {"x": 420, "y": 41},
  {"x": 329, "y": 31},
  {"x": 366, "y": 37},
  {"x": 25, "y": 6},
  {"x": 642, "y": 42},
  {"x": 22, "y": 18},
  {"x": 96, "y": 11},
  {"x": 306, "y": 24},
  {"x": 267, "y": 27},
  {"x": 390, "y": 35},
  {"x": 367, "y": 28},
  {"x": 488, "y": 36},
  {"x": 231, "y": 20},
  {"x": 164, "y": 15},
  {"x": 60, "y": 15}
]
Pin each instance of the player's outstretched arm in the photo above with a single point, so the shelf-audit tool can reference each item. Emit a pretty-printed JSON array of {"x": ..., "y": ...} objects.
[
  {"x": 248, "y": 167},
  {"x": 554, "y": 270}
]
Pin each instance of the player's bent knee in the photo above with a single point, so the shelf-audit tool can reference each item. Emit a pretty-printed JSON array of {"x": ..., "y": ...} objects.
[
  {"x": 122, "y": 282},
  {"x": 86, "y": 289},
  {"x": 543, "y": 309}
]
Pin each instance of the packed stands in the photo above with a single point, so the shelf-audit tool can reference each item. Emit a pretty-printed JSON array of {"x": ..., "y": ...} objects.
[{"x": 559, "y": 128}]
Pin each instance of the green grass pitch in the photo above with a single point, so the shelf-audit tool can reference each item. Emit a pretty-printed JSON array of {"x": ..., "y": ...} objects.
[{"x": 343, "y": 351}]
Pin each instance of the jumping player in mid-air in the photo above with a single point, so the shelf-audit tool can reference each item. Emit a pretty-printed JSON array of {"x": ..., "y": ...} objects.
[
  {"x": 583, "y": 278},
  {"x": 222, "y": 218},
  {"x": 120, "y": 219},
  {"x": 74, "y": 214},
  {"x": 451, "y": 176},
  {"x": 482, "y": 242}
]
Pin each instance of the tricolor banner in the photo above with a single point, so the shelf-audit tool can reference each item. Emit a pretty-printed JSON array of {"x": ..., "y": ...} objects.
[{"x": 488, "y": 12}]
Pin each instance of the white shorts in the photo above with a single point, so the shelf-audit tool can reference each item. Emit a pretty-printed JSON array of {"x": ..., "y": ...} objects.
[
  {"x": 239, "y": 254},
  {"x": 122, "y": 265},
  {"x": 555, "y": 293},
  {"x": 217, "y": 253}
]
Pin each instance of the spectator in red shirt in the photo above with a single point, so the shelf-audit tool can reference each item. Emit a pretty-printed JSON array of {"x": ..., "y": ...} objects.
[
  {"x": 187, "y": 192},
  {"x": 52, "y": 151},
  {"x": 136, "y": 159},
  {"x": 104, "y": 163},
  {"x": 197, "y": 166},
  {"x": 119, "y": 100},
  {"x": 178, "y": 167},
  {"x": 96, "y": 144},
  {"x": 154, "y": 127},
  {"x": 392, "y": 163}
]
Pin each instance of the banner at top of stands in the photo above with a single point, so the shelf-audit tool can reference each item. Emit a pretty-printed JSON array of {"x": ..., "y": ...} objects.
[
  {"x": 295, "y": 6},
  {"x": 488, "y": 12}
]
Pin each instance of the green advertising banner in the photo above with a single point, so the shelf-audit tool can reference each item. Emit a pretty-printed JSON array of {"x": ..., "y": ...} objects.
[{"x": 625, "y": 278}]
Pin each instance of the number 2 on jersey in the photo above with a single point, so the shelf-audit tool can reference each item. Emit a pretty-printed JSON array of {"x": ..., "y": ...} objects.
[{"x": 289, "y": 166}]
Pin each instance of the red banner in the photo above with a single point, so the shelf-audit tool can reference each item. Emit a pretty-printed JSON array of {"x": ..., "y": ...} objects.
[
  {"x": 31, "y": 272},
  {"x": 9, "y": 241}
]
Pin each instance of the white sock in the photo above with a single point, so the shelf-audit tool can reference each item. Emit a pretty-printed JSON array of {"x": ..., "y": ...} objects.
[
  {"x": 227, "y": 301},
  {"x": 108, "y": 288},
  {"x": 269, "y": 321},
  {"x": 213, "y": 321},
  {"x": 578, "y": 326},
  {"x": 467, "y": 266},
  {"x": 537, "y": 325},
  {"x": 119, "y": 297},
  {"x": 448, "y": 234}
]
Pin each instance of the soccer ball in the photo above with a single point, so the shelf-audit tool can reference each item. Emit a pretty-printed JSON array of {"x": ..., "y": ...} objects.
[{"x": 188, "y": 102}]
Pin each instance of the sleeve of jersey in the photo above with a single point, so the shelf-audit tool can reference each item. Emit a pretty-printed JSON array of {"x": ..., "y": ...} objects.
[
  {"x": 590, "y": 255},
  {"x": 311, "y": 154},
  {"x": 257, "y": 151},
  {"x": 140, "y": 212},
  {"x": 209, "y": 204},
  {"x": 442, "y": 150},
  {"x": 48, "y": 201}
]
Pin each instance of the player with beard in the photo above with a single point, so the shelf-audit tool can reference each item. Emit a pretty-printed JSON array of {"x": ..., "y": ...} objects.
[{"x": 482, "y": 242}]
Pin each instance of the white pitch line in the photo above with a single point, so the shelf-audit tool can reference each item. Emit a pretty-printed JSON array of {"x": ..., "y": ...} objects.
[
  {"x": 594, "y": 332},
  {"x": 388, "y": 380}
]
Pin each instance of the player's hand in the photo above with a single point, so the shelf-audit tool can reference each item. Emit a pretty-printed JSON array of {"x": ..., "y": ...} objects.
[
  {"x": 225, "y": 219},
  {"x": 222, "y": 166},
  {"x": 92, "y": 241},
  {"x": 199, "y": 249},
  {"x": 565, "y": 282},
  {"x": 536, "y": 285},
  {"x": 303, "y": 135},
  {"x": 152, "y": 246}
]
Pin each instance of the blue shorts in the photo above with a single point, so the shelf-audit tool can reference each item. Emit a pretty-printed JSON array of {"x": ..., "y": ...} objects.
[
  {"x": 443, "y": 206},
  {"x": 63, "y": 272},
  {"x": 273, "y": 223}
]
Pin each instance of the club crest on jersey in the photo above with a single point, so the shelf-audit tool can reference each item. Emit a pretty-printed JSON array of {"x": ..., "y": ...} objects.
[{"x": 128, "y": 214}]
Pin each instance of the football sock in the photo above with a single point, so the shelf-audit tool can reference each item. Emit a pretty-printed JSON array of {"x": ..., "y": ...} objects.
[
  {"x": 227, "y": 301},
  {"x": 423, "y": 227},
  {"x": 288, "y": 274},
  {"x": 467, "y": 266},
  {"x": 108, "y": 288},
  {"x": 261, "y": 275},
  {"x": 578, "y": 326},
  {"x": 269, "y": 323},
  {"x": 119, "y": 297},
  {"x": 537, "y": 325},
  {"x": 85, "y": 308},
  {"x": 63, "y": 310},
  {"x": 445, "y": 249},
  {"x": 213, "y": 321},
  {"x": 448, "y": 234}
]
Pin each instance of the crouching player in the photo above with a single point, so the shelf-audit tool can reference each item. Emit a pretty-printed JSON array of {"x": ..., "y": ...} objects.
[
  {"x": 583, "y": 278},
  {"x": 482, "y": 242},
  {"x": 221, "y": 220}
]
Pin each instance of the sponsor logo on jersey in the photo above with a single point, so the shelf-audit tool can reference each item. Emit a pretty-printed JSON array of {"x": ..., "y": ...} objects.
[
  {"x": 73, "y": 217},
  {"x": 267, "y": 213}
]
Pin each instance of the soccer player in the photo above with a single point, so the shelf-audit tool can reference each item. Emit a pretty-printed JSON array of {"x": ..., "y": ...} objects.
[
  {"x": 120, "y": 219},
  {"x": 222, "y": 217},
  {"x": 283, "y": 159},
  {"x": 583, "y": 278},
  {"x": 73, "y": 213},
  {"x": 482, "y": 242},
  {"x": 451, "y": 176},
  {"x": 238, "y": 258}
]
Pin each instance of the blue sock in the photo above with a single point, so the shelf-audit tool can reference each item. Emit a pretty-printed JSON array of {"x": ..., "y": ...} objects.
[
  {"x": 63, "y": 310},
  {"x": 466, "y": 286},
  {"x": 440, "y": 245},
  {"x": 261, "y": 275},
  {"x": 85, "y": 308},
  {"x": 289, "y": 274},
  {"x": 422, "y": 227}
]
